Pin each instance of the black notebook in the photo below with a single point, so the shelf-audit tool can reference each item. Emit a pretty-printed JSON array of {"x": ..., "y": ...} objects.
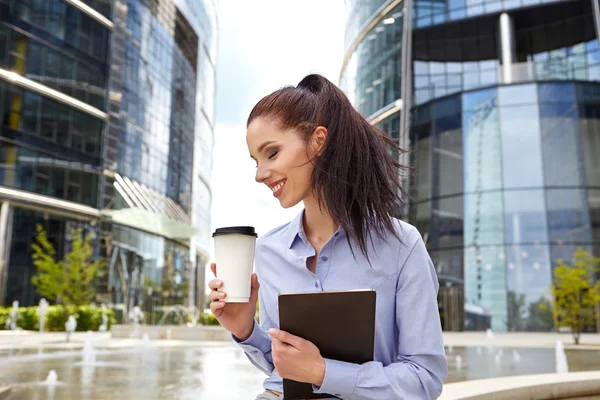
[{"x": 340, "y": 323}]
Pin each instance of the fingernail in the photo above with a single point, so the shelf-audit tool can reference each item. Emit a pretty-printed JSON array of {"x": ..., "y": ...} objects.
[{"x": 273, "y": 331}]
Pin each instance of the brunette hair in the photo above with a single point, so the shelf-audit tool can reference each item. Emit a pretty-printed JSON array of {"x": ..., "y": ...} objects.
[{"x": 355, "y": 177}]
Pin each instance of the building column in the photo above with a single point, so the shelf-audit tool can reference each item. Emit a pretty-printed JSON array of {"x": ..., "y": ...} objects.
[
  {"x": 596, "y": 8},
  {"x": 507, "y": 47},
  {"x": 5, "y": 236}
]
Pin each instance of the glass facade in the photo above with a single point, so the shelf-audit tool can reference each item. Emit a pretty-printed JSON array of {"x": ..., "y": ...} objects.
[
  {"x": 126, "y": 91},
  {"x": 434, "y": 12},
  {"x": 372, "y": 76},
  {"x": 461, "y": 56},
  {"x": 503, "y": 189},
  {"x": 504, "y": 140}
]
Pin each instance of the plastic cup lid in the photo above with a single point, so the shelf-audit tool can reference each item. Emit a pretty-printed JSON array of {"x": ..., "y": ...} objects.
[{"x": 236, "y": 230}]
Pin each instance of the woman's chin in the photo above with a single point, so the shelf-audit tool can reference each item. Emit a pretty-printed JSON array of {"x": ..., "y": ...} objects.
[{"x": 287, "y": 204}]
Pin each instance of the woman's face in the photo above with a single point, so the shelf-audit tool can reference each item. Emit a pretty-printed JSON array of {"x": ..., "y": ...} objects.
[{"x": 282, "y": 162}]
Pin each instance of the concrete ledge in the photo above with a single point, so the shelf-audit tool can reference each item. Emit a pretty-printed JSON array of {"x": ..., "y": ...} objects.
[
  {"x": 526, "y": 387},
  {"x": 197, "y": 333},
  {"x": 4, "y": 392}
]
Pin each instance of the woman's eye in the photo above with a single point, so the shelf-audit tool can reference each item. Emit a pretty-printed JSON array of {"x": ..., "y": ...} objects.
[{"x": 274, "y": 154}]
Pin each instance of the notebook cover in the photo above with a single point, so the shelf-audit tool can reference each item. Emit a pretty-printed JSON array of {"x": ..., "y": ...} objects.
[{"x": 340, "y": 323}]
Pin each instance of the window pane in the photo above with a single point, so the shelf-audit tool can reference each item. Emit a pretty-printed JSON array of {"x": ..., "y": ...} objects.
[
  {"x": 482, "y": 150},
  {"x": 484, "y": 219},
  {"x": 525, "y": 216},
  {"x": 560, "y": 142},
  {"x": 568, "y": 218},
  {"x": 521, "y": 156},
  {"x": 447, "y": 156},
  {"x": 447, "y": 223},
  {"x": 528, "y": 280},
  {"x": 590, "y": 144}
]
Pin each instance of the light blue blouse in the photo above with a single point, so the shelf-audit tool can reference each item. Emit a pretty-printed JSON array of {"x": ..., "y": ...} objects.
[{"x": 409, "y": 360}]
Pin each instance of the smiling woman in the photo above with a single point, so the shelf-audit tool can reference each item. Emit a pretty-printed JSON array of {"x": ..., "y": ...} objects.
[{"x": 311, "y": 146}]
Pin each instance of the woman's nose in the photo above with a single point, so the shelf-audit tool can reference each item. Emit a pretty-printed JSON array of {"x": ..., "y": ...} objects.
[{"x": 261, "y": 174}]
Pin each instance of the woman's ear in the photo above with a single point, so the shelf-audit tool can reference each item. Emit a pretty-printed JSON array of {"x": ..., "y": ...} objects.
[{"x": 318, "y": 139}]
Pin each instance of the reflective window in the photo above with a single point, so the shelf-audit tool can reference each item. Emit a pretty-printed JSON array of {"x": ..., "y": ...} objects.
[
  {"x": 484, "y": 219},
  {"x": 447, "y": 154},
  {"x": 521, "y": 149},
  {"x": 448, "y": 263},
  {"x": 429, "y": 12},
  {"x": 528, "y": 280},
  {"x": 589, "y": 125},
  {"x": 594, "y": 204},
  {"x": 560, "y": 142},
  {"x": 485, "y": 282},
  {"x": 421, "y": 156},
  {"x": 568, "y": 217},
  {"x": 359, "y": 12},
  {"x": 446, "y": 223},
  {"x": 482, "y": 155},
  {"x": 525, "y": 216},
  {"x": 372, "y": 76}
]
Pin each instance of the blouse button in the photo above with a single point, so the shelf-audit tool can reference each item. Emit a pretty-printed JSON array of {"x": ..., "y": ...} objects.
[
  {"x": 324, "y": 258},
  {"x": 317, "y": 285}
]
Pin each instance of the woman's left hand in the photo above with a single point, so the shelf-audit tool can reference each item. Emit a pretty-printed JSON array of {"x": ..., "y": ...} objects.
[{"x": 296, "y": 358}]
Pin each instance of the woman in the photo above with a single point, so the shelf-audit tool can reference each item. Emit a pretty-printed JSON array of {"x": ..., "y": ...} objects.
[{"x": 310, "y": 145}]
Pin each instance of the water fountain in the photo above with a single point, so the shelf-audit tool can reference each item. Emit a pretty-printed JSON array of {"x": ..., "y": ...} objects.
[
  {"x": 89, "y": 354},
  {"x": 450, "y": 348},
  {"x": 561, "y": 358},
  {"x": 458, "y": 362},
  {"x": 52, "y": 378},
  {"x": 516, "y": 356},
  {"x": 70, "y": 326},
  {"x": 146, "y": 341},
  {"x": 169, "y": 333},
  {"x": 41, "y": 311},
  {"x": 136, "y": 315},
  {"x": 11, "y": 322},
  {"x": 104, "y": 325},
  {"x": 489, "y": 334}
]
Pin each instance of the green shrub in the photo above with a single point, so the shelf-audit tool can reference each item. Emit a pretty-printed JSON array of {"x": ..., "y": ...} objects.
[
  {"x": 28, "y": 318},
  {"x": 4, "y": 315},
  {"x": 208, "y": 319},
  {"x": 87, "y": 318},
  {"x": 56, "y": 317}
]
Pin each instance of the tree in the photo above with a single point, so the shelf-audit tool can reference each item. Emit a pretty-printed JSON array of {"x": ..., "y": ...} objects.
[
  {"x": 50, "y": 278},
  {"x": 574, "y": 293},
  {"x": 70, "y": 281},
  {"x": 516, "y": 311},
  {"x": 540, "y": 318}
]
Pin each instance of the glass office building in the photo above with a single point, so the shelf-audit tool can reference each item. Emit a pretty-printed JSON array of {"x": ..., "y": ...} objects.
[
  {"x": 500, "y": 106},
  {"x": 108, "y": 112}
]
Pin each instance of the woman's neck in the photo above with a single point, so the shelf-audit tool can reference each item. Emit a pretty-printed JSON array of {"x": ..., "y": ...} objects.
[{"x": 318, "y": 224}]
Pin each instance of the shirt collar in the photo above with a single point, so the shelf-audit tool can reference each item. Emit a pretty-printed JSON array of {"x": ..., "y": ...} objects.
[{"x": 296, "y": 229}]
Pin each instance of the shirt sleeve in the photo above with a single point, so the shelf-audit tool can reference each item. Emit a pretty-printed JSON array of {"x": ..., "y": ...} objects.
[
  {"x": 420, "y": 367},
  {"x": 258, "y": 346}
]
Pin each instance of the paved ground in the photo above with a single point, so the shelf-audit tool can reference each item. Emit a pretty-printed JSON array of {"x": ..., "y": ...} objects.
[
  {"x": 4, "y": 392},
  {"x": 28, "y": 339},
  {"x": 194, "y": 369},
  {"x": 521, "y": 339}
]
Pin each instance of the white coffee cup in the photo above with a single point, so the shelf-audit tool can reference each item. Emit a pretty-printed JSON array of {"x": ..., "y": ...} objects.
[{"x": 234, "y": 256}]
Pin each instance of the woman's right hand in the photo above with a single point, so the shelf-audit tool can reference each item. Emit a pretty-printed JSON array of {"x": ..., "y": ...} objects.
[{"x": 237, "y": 318}]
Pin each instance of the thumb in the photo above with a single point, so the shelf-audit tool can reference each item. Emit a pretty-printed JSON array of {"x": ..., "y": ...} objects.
[{"x": 255, "y": 285}]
